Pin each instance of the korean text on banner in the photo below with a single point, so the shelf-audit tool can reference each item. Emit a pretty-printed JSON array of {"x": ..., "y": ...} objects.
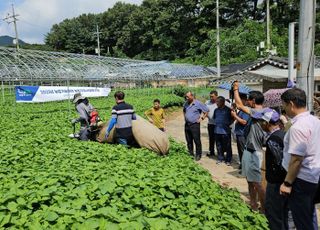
[{"x": 33, "y": 94}]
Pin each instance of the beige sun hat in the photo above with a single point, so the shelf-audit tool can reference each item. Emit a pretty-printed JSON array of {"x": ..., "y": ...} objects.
[{"x": 77, "y": 97}]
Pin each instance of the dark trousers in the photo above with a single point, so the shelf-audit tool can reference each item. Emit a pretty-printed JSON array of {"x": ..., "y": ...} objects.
[
  {"x": 192, "y": 132},
  {"x": 223, "y": 142},
  {"x": 276, "y": 207},
  {"x": 211, "y": 139},
  {"x": 301, "y": 204},
  {"x": 241, "y": 142},
  {"x": 84, "y": 134}
]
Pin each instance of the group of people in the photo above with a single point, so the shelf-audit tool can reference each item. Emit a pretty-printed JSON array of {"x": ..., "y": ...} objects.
[
  {"x": 292, "y": 158},
  {"x": 122, "y": 115}
]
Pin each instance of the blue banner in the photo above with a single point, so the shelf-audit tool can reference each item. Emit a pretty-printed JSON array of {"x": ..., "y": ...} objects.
[{"x": 25, "y": 93}]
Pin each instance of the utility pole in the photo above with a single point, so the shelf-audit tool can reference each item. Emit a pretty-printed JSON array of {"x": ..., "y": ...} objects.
[
  {"x": 305, "y": 63},
  {"x": 291, "y": 76},
  {"x": 13, "y": 18},
  {"x": 268, "y": 27},
  {"x": 218, "y": 40},
  {"x": 98, "y": 40}
]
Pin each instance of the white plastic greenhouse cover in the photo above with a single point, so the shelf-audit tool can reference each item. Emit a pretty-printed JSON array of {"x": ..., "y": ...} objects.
[{"x": 56, "y": 66}]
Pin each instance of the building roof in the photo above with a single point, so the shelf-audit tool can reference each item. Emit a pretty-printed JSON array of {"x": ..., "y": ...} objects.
[{"x": 247, "y": 78}]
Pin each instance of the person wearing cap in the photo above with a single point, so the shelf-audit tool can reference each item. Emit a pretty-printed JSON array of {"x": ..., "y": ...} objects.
[
  {"x": 276, "y": 206},
  {"x": 301, "y": 159},
  {"x": 253, "y": 153},
  {"x": 83, "y": 108}
]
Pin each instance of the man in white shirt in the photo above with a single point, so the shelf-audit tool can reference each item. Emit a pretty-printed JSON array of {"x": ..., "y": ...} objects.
[
  {"x": 212, "y": 105},
  {"x": 301, "y": 158}
]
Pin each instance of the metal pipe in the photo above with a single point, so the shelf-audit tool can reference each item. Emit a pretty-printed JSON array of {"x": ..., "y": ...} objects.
[{"x": 305, "y": 63}]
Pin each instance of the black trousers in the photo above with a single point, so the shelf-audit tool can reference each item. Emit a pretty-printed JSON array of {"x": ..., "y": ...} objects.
[
  {"x": 241, "y": 142},
  {"x": 301, "y": 204},
  {"x": 276, "y": 208},
  {"x": 192, "y": 132},
  {"x": 223, "y": 142},
  {"x": 211, "y": 139},
  {"x": 84, "y": 133}
]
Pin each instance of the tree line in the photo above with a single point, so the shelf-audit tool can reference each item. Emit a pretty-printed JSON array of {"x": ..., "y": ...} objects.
[{"x": 180, "y": 31}]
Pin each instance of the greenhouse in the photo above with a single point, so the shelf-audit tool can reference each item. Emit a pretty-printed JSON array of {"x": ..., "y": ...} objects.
[{"x": 49, "y": 67}]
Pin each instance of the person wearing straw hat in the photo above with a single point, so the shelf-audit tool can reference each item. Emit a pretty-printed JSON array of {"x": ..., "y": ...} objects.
[{"x": 83, "y": 108}]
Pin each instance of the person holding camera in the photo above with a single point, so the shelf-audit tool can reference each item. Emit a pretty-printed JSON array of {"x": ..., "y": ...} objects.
[{"x": 253, "y": 153}]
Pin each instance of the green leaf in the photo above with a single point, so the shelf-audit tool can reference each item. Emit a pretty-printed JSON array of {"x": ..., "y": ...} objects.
[
  {"x": 170, "y": 195},
  {"x": 51, "y": 216},
  {"x": 12, "y": 206}
]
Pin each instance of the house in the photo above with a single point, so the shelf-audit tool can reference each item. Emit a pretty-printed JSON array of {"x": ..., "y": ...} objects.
[{"x": 262, "y": 75}]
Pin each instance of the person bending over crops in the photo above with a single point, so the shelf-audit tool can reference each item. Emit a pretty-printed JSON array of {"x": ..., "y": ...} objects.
[
  {"x": 121, "y": 119},
  {"x": 84, "y": 109},
  {"x": 156, "y": 115},
  {"x": 252, "y": 155}
]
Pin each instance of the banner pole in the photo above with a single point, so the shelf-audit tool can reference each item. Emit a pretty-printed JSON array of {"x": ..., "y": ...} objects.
[
  {"x": 3, "y": 99},
  {"x": 69, "y": 107}
]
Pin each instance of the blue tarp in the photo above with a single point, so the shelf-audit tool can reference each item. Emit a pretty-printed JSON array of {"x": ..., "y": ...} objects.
[{"x": 242, "y": 88}]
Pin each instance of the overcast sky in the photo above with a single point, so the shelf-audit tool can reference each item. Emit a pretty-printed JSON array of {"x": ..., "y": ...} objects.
[{"x": 37, "y": 16}]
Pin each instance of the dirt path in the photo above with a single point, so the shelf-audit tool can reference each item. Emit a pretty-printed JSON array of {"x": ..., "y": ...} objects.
[{"x": 227, "y": 176}]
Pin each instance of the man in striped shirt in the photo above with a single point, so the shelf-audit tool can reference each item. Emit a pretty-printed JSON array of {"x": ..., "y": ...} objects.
[{"x": 122, "y": 116}]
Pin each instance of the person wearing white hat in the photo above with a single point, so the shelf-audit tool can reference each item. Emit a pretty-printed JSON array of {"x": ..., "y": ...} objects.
[{"x": 83, "y": 108}]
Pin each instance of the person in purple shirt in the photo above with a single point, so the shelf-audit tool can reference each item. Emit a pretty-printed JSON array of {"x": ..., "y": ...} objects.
[
  {"x": 223, "y": 120},
  {"x": 194, "y": 112}
]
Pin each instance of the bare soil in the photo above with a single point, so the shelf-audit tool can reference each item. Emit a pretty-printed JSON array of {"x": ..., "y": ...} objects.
[{"x": 227, "y": 176}]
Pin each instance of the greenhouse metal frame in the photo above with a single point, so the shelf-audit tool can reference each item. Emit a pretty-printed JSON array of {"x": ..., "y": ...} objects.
[{"x": 43, "y": 66}]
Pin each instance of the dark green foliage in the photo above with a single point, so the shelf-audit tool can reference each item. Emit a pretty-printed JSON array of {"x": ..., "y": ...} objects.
[
  {"x": 181, "y": 31},
  {"x": 180, "y": 91},
  {"x": 49, "y": 181}
]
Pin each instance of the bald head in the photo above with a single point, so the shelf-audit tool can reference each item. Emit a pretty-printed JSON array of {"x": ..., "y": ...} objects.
[{"x": 189, "y": 97}]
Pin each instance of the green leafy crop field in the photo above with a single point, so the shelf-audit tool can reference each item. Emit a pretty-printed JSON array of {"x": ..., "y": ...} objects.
[{"x": 48, "y": 181}]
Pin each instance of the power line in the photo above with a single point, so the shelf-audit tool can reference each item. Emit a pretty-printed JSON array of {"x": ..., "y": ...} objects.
[{"x": 13, "y": 19}]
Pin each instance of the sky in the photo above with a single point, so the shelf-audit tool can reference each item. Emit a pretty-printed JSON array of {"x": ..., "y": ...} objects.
[{"x": 36, "y": 17}]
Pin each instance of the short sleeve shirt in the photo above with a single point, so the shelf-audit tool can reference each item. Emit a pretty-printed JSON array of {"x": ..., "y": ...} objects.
[
  {"x": 303, "y": 139},
  {"x": 223, "y": 120},
  {"x": 157, "y": 116},
  {"x": 211, "y": 106},
  {"x": 239, "y": 128},
  {"x": 256, "y": 137},
  {"x": 192, "y": 112}
]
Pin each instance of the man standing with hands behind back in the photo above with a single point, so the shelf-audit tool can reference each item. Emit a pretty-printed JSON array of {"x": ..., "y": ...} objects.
[{"x": 194, "y": 112}]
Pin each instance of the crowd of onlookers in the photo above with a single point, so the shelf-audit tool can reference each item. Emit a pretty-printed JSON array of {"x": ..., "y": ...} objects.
[{"x": 290, "y": 139}]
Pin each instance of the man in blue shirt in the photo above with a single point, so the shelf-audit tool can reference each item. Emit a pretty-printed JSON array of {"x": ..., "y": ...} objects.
[
  {"x": 241, "y": 128},
  {"x": 223, "y": 120},
  {"x": 194, "y": 112}
]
